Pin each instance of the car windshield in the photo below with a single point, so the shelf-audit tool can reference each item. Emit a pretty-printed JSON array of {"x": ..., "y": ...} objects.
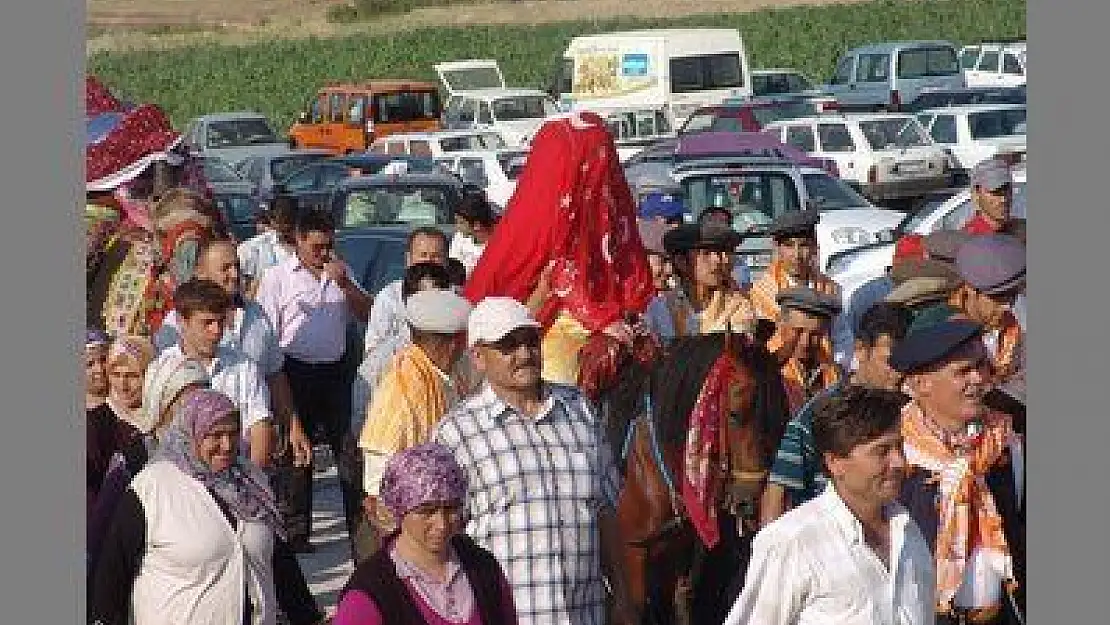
[
  {"x": 997, "y": 123},
  {"x": 217, "y": 170},
  {"x": 484, "y": 141},
  {"x": 521, "y": 107},
  {"x": 831, "y": 193},
  {"x": 236, "y": 209},
  {"x": 419, "y": 205},
  {"x": 282, "y": 167},
  {"x": 754, "y": 198},
  {"x": 234, "y": 133},
  {"x": 779, "y": 83},
  {"x": 893, "y": 132}
]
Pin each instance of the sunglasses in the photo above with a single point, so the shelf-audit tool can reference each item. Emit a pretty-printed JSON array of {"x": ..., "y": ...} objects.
[{"x": 526, "y": 337}]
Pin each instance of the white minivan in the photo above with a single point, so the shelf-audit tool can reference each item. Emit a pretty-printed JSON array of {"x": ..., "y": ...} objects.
[
  {"x": 477, "y": 98},
  {"x": 883, "y": 76},
  {"x": 677, "y": 69}
]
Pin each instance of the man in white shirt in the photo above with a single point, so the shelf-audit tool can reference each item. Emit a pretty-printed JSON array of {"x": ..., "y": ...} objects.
[
  {"x": 272, "y": 246},
  {"x": 853, "y": 555},
  {"x": 202, "y": 307},
  {"x": 475, "y": 220},
  {"x": 426, "y": 244}
]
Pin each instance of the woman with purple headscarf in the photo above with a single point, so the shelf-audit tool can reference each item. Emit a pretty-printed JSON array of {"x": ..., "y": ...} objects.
[
  {"x": 427, "y": 572},
  {"x": 196, "y": 538}
]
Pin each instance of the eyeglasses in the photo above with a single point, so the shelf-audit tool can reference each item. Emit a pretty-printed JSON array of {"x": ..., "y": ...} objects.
[{"x": 527, "y": 337}]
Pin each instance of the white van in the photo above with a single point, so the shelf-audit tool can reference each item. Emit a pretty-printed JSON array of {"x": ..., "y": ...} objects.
[
  {"x": 678, "y": 70},
  {"x": 478, "y": 99},
  {"x": 883, "y": 76}
]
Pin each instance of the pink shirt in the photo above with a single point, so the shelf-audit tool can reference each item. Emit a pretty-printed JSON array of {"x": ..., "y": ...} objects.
[{"x": 309, "y": 314}]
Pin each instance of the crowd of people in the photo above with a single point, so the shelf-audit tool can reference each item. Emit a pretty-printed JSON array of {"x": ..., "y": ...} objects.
[{"x": 479, "y": 483}]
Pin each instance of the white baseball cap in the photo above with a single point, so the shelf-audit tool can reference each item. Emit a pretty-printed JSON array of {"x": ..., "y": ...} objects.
[{"x": 495, "y": 317}]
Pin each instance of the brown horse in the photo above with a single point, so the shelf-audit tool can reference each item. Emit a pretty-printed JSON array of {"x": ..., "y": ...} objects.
[{"x": 646, "y": 401}]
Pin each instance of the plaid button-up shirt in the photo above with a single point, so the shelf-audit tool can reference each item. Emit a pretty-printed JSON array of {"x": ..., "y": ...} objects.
[{"x": 537, "y": 485}]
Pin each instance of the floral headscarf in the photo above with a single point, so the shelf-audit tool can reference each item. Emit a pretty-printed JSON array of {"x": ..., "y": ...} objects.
[
  {"x": 242, "y": 487},
  {"x": 421, "y": 474},
  {"x": 137, "y": 347}
]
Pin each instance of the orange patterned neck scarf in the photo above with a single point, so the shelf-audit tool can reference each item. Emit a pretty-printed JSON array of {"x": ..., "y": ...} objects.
[{"x": 968, "y": 516}]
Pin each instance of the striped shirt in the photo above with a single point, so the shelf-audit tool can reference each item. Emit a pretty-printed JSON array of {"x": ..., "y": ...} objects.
[
  {"x": 797, "y": 467},
  {"x": 537, "y": 485}
]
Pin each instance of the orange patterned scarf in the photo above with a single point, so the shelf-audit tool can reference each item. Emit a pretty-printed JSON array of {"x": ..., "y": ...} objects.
[
  {"x": 1006, "y": 355},
  {"x": 969, "y": 517},
  {"x": 766, "y": 289}
]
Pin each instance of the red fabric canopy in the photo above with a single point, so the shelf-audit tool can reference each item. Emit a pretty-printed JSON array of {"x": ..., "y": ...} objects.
[
  {"x": 572, "y": 206},
  {"x": 98, "y": 99}
]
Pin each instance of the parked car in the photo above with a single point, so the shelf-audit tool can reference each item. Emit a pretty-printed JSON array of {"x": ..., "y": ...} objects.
[
  {"x": 265, "y": 170},
  {"x": 479, "y": 99},
  {"x": 635, "y": 129},
  {"x": 757, "y": 190},
  {"x": 312, "y": 184},
  {"x": 782, "y": 82},
  {"x": 437, "y": 144},
  {"x": 391, "y": 200},
  {"x": 494, "y": 171},
  {"x": 887, "y": 156},
  {"x": 883, "y": 76},
  {"x": 749, "y": 116},
  {"x": 940, "y": 98},
  {"x": 972, "y": 134},
  {"x": 855, "y": 266},
  {"x": 994, "y": 64},
  {"x": 232, "y": 136},
  {"x": 345, "y": 118},
  {"x": 232, "y": 195}
]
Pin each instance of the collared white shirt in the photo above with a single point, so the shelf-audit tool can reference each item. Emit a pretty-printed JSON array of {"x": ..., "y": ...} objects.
[
  {"x": 812, "y": 566},
  {"x": 248, "y": 330},
  {"x": 234, "y": 374},
  {"x": 309, "y": 314},
  {"x": 387, "y": 318}
]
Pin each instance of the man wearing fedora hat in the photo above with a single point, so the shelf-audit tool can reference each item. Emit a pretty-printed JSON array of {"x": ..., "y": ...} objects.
[
  {"x": 965, "y": 484},
  {"x": 708, "y": 299}
]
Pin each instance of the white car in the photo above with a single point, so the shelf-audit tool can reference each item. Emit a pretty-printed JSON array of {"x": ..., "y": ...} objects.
[
  {"x": 479, "y": 99},
  {"x": 495, "y": 171},
  {"x": 438, "y": 144},
  {"x": 974, "y": 133},
  {"x": 854, "y": 267},
  {"x": 885, "y": 155},
  {"x": 994, "y": 64}
]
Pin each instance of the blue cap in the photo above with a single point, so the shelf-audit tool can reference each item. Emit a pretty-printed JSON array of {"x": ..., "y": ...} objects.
[
  {"x": 932, "y": 344},
  {"x": 662, "y": 205}
]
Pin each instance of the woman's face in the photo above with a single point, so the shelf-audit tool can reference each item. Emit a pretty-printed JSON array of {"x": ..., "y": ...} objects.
[
  {"x": 96, "y": 371},
  {"x": 432, "y": 525},
  {"x": 125, "y": 383},
  {"x": 219, "y": 447}
]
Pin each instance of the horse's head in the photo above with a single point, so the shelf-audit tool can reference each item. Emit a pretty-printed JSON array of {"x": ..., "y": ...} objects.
[{"x": 606, "y": 361}]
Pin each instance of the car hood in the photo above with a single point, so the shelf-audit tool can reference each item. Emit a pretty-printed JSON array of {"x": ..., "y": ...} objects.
[{"x": 850, "y": 228}]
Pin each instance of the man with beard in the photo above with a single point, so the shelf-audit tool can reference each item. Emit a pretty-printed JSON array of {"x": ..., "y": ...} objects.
[
  {"x": 965, "y": 486},
  {"x": 708, "y": 298},
  {"x": 853, "y": 555}
]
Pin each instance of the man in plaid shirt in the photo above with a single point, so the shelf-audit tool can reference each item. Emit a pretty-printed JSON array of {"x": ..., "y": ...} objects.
[{"x": 543, "y": 484}]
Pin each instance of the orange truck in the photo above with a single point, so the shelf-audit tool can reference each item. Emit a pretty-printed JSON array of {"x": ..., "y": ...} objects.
[{"x": 345, "y": 118}]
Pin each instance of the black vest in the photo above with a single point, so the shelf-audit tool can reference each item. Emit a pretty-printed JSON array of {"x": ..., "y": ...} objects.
[
  {"x": 377, "y": 577},
  {"x": 920, "y": 499}
]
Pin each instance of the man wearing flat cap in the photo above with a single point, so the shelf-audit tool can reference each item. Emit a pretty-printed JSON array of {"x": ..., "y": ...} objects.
[
  {"x": 805, "y": 325},
  {"x": 965, "y": 481},
  {"x": 708, "y": 299},
  {"x": 416, "y": 389},
  {"x": 992, "y": 194}
]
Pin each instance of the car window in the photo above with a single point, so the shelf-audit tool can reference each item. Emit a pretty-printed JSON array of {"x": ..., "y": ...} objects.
[
  {"x": 698, "y": 122},
  {"x": 233, "y": 133},
  {"x": 484, "y": 114},
  {"x": 336, "y": 103},
  {"x": 893, "y": 132},
  {"x": 473, "y": 171},
  {"x": 998, "y": 123},
  {"x": 303, "y": 180},
  {"x": 331, "y": 176},
  {"x": 969, "y": 58},
  {"x": 801, "y": 137},
  {"x": 282, "y": 167},
  {"x": 831, "y": 193},
  {"x": 843, "y": 73},
  {"x": 236, "y": 209},
  {"x": 710, "y": 71},
  {"x": 873, "y": 68},
  {"x": 461, "y": 110},
  {"x": 753, "y": 198},
  {"x": 728, "y": 124},
  {"x": 521, "y": 107},
  {"x": 216, "y": 170},
  {"x": 406, "y": 106},
  {"x": 319, "y": 105},
  {"x": 944, "y": 129},
  {"x": 989, "y": 62},
  {"x": 777, "y": 84},
  {"x": 355, "y": 111},
  {"x": 395, "y": 147},
  {"x": 835, "y": 138},
  {"x": 933, "y": 61},
  {"x": 420, "y": 148},
  {"x": 397, "y": 204},
  {"x": 1011, "y": 65}
]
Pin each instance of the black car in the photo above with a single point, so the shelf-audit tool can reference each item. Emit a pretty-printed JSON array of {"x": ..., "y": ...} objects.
[
  {"x": 941, "y": 98},
  {"x": 409, "y": 199},
  {"x": 312, "y": 185}
]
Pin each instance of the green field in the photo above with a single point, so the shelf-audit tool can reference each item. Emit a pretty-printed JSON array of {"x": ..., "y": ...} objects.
[{"x": 279, "y": 78}]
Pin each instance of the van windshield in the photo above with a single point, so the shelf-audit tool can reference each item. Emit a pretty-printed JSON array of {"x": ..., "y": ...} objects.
[
  {"x": 234, "y": 133},
  {"x": 406, "y": 106},
  {"x": 923, "y": 62}
]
